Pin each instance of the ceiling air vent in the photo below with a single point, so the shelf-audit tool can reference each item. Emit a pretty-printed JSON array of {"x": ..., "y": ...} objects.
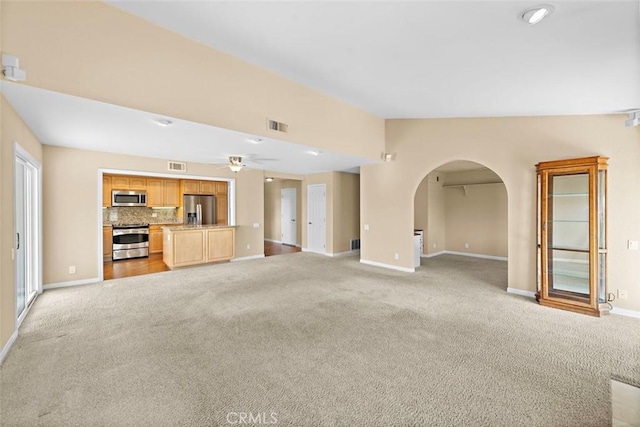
[
  {"x": 277, "y": 126},
  {"x": 177, "y": 166}
]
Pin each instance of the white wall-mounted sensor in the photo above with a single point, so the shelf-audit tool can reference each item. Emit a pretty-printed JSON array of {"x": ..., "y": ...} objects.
[{"x": 11, "y": 68}]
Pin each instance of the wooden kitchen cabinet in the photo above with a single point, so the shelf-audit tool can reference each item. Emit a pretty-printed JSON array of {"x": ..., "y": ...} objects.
[
  {"x": 119, "y": 182},
  {"x": 221, "y": 188},
  {"x": 222, "y": 209},
  {"x": 220, "y": 244},
  {"x": 172, "y": 192},
  {"x": 207, "y": 187},
  {"x": 163, "y": 192},
  {"x": 107, "y": 242},
  {"x": 190, "y": 186},
  {"x": 155, "y": 239},
  {"x": 106, "y": 191},
  {"x": 183, "y": 246}
]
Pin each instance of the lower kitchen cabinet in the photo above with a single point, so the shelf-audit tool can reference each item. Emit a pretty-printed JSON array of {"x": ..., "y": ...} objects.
[
  {"x": 183, "y": 246},
  {"x": 107, "y": 242},
  {"x": 155, "y": 239}
]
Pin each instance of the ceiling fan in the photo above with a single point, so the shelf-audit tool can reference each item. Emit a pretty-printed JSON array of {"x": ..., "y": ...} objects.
[{"x": 235, "y": 163}]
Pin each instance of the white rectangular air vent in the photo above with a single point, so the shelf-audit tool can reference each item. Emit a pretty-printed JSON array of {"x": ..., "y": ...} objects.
[
  {"x": 177, "y": 166},
  {"x": 277, "y": 126}
]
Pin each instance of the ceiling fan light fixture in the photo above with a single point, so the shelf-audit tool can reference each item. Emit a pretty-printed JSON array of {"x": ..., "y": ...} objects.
[
  {"x": 255, "y": 140},
  {"x": 269, "y": 179},
  {"x": 536, "y": 14},
  {"x": 235, "y": 168}
]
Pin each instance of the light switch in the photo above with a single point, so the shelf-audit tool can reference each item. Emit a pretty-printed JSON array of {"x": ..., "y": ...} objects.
[
  {"x": 366, "y": 227},
  {"x": 632, "y": 245},
  {"x": 256, "y": 225}
]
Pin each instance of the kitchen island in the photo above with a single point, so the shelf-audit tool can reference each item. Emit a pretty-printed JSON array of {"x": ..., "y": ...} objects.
[{"x": 185, "y": 245}]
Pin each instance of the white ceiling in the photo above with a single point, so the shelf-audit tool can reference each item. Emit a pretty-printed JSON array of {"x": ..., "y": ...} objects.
[
  {"x": 411, "y": 59},
  {"x": 69, "y": 121}
]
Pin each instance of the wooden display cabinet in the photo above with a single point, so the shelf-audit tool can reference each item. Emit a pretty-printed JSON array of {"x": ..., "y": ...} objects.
[
  {"x": 106, "y": 191},
  {"x": 572, "y": 239}
]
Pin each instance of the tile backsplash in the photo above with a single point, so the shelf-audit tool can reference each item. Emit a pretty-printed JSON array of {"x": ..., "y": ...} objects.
[{"x": 134, "y": 215}]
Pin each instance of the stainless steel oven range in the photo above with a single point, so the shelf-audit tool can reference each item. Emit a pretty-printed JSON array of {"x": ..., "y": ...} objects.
[{"x": 130, "y": 241}]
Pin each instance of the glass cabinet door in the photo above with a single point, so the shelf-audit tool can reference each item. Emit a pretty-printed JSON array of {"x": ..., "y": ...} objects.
[{"x": 568, "y": 236}]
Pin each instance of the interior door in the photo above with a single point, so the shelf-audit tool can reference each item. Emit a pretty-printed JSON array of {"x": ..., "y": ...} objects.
[
  {"x": 317, "y": 218},
  {"x": 288, "y": 214}
]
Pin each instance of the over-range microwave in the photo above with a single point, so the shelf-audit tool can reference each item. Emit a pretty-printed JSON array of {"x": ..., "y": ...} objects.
[{"x": 128, "y": 198}]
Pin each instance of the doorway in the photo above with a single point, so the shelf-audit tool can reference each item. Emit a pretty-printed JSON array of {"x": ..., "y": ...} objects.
[
  {"x": 317, "y": 218},
  {"x": 27, "y": 236},
  {"x": 288, "y": 214}
]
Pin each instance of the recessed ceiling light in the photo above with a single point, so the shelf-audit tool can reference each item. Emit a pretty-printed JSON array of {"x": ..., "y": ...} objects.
[
  {"x": 536, "y": 14},
  {"x": 314, "y": 152},
  {"x": 163, "y": 122},
  {"x": 255, "y": 140}
]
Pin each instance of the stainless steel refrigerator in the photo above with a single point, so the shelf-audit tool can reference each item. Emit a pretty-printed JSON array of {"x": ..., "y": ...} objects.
[{"x": 199, "y": 210}]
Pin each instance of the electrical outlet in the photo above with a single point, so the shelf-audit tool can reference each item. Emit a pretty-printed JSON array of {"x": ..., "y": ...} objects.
[
  {"x": 397, "y": 256},
  {"x": 622, "y": 294},
  {"x": 154, "y": 215},
  {"x": 72, "y": 269},
  {"x": 434, "y": 246},
  {"x": 248, "y": 246},
  {"x": 466, "y": 245},
  {"x": 632, "y": 245}
]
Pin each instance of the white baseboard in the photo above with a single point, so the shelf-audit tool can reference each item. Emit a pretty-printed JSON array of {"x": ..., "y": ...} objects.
[
  {"x": 625, "y": 312},
  {"x": 495, "y": 258},
  {"x": 524, "y": 293},
  {"x": 246, "y": 258},
  {"x": 433, "y": 254},
  {"x": 389, "y": 266},
  {"x": 273, "y": 241},
  {"x": 71, "y": 283},
  {"x": 8, "y": 345},
  {"x": 346, "y": 253}
]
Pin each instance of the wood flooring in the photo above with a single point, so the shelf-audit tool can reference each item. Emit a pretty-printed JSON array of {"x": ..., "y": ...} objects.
[
  {"x": 272, "y": 248},
  {"x": 134, "y": 267},
  {"x": 154, "y": 264}
]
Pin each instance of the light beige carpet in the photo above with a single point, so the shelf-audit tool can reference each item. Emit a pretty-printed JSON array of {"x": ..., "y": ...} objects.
[{"x": 316, "y": 341}]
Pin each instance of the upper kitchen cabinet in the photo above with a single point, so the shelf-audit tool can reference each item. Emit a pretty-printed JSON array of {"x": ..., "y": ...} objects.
[
  {"x": 221, "y": 188},
  {"x": 207, "y": 187},
  {"x": 128, "y": 183},
  {"x": 163, "y": 192},
  {"x": 222, "y": 209},
  {"x": 190, "y": 186},
  {"x": 106, "y": 191}
]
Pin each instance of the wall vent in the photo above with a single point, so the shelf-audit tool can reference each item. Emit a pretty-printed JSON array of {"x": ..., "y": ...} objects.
[
  {"x": 177, "y": 166},
  {"x": 277, "y": 126},
  {"x": 355, "y": 244}
]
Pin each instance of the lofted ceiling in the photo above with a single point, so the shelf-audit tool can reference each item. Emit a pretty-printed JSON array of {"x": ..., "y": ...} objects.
[{"x": 423, "y": 59}]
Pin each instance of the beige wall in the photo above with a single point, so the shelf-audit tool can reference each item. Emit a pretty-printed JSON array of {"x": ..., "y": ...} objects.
[
  {"x": 346, "y": 211},
  {"x": 477, "y": 217},
  {"x": 436, "y": 231},
  {"x": 93, "y": 50},
  {"x": 273, "y": 205},
  {"x": 510, "y": 147},
  {"x": 71, "y": 224},
  {"x": 13, "y": 129}
]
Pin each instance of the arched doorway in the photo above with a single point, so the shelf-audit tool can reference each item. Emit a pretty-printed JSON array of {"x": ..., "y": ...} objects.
[{"x": 461, "y": 210}]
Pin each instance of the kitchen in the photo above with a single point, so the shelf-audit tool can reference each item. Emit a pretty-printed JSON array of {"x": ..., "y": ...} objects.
[{"x": 138, "y": 211}]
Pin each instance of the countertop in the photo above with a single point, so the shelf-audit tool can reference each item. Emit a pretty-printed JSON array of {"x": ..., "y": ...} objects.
[
  {"x": 196, "y": 227},
  {"x": 161, "y": 224}
]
